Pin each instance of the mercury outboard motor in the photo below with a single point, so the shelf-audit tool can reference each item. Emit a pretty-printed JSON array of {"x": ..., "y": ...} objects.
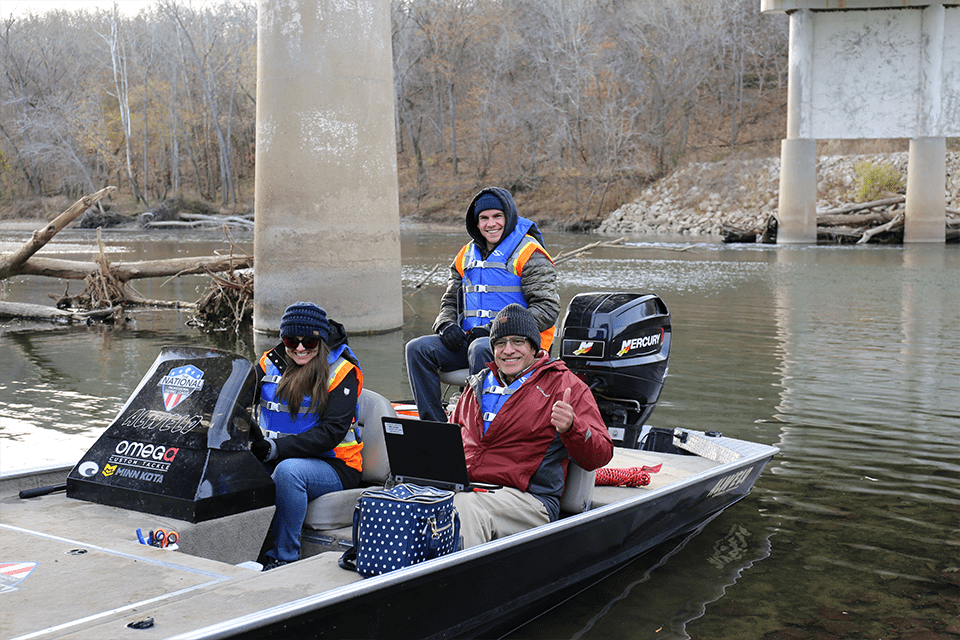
[{"x": 619, "y": 344}]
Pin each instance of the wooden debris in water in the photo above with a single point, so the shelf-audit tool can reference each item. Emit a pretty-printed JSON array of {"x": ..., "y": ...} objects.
[
  {"x": 107, "y": 288},
  {"x": 576, "y": 253},
  {"x": 227, "y": 302},
  {"x": 882, "y": 224}
]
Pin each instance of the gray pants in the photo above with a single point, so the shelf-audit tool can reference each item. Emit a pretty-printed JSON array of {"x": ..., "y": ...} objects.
[
  {"x": 496, "y": 514},
  {"x": 427, "y": 357}
]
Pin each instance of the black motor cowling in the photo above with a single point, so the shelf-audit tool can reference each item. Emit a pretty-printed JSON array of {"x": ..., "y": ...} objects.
[{"x": 619, "y": 344}]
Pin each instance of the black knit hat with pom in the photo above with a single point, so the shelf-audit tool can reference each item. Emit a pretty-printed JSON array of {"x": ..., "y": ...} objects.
[{"x": 305, "y": 319}]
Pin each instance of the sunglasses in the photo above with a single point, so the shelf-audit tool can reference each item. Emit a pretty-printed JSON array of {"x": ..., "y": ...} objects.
[{"x": 309, "y": 343}]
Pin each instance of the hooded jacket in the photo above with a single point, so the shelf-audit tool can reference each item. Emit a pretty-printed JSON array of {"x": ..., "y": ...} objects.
[
  {"x": 338, "y": 415},
  {"x": 521, "y": 448},
  {"x": 538, "y": 275}
]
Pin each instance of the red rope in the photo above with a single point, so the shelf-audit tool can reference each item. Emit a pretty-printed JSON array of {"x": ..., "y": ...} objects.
[{"x": 628, "y": 477}]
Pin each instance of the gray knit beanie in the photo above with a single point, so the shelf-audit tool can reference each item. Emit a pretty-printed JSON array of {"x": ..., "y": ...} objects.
[
  {"x": 305, "y": 319},
  {"x": 515, "y": 320}
]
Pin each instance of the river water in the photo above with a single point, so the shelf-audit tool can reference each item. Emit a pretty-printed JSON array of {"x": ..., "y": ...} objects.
[{"x": 846, "y": 358}]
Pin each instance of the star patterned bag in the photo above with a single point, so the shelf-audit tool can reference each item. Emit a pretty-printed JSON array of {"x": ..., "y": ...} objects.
[{"x": 398, "y": 527}]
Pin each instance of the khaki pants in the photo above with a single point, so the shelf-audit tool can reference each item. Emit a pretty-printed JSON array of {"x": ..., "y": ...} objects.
[{"x": 495, "y": 514}]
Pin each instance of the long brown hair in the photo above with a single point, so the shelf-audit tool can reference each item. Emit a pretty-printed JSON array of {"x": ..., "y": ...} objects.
[{"x": 298, "y": 382}]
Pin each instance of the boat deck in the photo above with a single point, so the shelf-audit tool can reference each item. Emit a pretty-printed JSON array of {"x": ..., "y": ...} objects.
[
  {"x": 675, "y": 467},
  {"x": 92, "y": 577}
]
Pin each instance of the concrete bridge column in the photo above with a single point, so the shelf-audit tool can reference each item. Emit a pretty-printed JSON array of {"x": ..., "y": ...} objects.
[
  {"x": 797, "y": 203},
  {"x": 327, "y": 203},
  {"x": 925, "y": 217}
]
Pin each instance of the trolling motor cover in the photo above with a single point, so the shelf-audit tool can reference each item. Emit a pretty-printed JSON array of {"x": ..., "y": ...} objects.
[
  {"x": 619, "y": 344},
  {"x": 178, "y": 447}
]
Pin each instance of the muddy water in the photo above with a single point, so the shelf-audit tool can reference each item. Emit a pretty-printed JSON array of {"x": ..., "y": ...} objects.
[{"x": 845, "y": 358}]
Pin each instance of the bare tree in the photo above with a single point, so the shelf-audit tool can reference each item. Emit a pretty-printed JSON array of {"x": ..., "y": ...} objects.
[
  {"x": 117, "y": 47},
  {"x": 211, "y": 25}
]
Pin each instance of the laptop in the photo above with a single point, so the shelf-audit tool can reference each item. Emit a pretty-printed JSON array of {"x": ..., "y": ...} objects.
[{"x": 428, "y": 453}]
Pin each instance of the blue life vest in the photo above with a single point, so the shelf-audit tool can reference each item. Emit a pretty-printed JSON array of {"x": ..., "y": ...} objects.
[
  {"x": 275, "y": 413},
  {"x": 494, "y": 396},
  {"x": 490, "y": 285}
]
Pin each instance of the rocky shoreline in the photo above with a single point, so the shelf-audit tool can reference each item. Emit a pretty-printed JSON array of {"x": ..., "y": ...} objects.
[{"x": 700, "y": 198}]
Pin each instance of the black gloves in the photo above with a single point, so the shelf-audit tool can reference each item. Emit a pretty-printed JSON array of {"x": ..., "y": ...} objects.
[
  {"x": 452, "y": 336},
  {"x": 481, "y": 331},
  {"x": 261, "y": 449}
]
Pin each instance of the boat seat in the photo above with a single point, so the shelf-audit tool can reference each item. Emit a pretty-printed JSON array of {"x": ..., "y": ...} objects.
[
  {"x": 456, "y": 378},
  {"x": 335, "y": 510},
  {"x": 577, "y": 490}
]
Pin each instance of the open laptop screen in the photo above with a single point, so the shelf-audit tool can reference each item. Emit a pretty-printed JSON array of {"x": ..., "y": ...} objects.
[{"x": 426, "y": 452}]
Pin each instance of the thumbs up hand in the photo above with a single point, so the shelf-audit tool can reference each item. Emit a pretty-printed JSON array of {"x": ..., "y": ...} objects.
[{"x": 561, "y": 415}]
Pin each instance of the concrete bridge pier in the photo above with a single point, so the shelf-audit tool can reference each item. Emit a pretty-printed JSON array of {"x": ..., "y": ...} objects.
[
  {"x": 870, "y": 69},
  {"x": 925, "y": 217},
  {"x": 327, "y": 198},
  {"x": 797, "y": 205}
]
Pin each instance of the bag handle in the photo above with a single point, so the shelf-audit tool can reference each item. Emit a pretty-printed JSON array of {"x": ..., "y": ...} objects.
[{"x": 348, "y": 560}]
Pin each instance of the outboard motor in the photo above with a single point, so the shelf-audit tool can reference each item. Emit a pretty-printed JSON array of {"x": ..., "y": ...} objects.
[{"x": 619, "y": 344}]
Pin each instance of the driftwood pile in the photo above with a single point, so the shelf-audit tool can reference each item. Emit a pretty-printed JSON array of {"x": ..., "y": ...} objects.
[
  {"x": 227, "y": 302},
  {"x": 108, "y": 291},
  {"x": 879, "y": 222}
]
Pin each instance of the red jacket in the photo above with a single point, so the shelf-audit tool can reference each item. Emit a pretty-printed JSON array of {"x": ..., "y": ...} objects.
[{"x": 521, "y": 448}]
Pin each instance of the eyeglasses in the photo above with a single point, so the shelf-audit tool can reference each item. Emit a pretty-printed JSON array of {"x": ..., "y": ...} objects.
[
  {"x": 515, "y": 341},
  {"x": 309, "y": 343}
]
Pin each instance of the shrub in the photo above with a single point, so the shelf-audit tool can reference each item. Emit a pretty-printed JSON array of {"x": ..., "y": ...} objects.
[{"x": 875, "y": 181}]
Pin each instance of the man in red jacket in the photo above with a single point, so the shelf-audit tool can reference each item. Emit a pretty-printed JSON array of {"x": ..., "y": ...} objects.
[{"x": 520, "y": 420}]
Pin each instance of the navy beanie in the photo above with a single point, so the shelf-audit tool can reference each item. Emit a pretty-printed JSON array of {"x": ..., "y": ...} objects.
[
  {"x": 487, "y": 201},
  {"x": 305, "y": 319},
  {"x": 515, "y": 320}
]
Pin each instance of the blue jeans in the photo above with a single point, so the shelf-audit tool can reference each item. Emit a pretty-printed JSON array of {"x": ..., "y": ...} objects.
[
  {"x": 427, "y": 357},
  {"x": 298, "y": 481}
]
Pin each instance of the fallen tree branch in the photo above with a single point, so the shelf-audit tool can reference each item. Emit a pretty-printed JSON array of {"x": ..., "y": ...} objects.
[
  {"x": 9, "y": 265},
  {"x": 206, "y": 222},
  {"x": 417, "y": 286},
  {"x": 865, "y": 205},
  {"x": 27, "y": 311},
  {"x": 846, "y": 220},
  {"x": 76, "y": 270},
  {"x": 869, "y": 233},
  {"x": 575, "y": 253}
]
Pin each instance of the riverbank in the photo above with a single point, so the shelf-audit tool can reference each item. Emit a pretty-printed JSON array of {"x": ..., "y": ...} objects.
[{"x": 699, "y": 198}]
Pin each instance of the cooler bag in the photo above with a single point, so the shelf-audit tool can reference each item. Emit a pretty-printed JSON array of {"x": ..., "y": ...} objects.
[{"x": 397, "y": 527}]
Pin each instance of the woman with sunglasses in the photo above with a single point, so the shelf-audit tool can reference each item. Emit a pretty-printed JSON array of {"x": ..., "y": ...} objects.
[{"x": 307, "y": 391}]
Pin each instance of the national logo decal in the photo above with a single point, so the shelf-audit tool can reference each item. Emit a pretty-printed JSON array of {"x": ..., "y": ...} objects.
[{"x": 179, "y": 384}]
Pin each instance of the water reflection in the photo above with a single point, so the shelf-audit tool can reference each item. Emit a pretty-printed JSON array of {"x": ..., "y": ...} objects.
[{"x": 843, "y": 357}]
